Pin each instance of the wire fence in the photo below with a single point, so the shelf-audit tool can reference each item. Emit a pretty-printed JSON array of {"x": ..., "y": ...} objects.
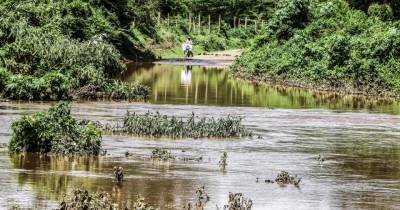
[{"x": 200, "y": 23}]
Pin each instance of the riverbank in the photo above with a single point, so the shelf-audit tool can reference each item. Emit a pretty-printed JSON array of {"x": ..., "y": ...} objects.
[{"x": 340, "y": 50}]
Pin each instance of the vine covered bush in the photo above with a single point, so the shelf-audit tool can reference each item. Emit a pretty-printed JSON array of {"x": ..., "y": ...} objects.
[
  {"x": 55, "y": 131},
  {"x": 50, "y": 50},
  {"x": 335, "y": 48}
]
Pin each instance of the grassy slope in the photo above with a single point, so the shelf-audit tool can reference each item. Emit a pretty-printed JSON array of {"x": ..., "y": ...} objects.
[
  {"x": 65, "y": 49},
  {"x": 327, "y": 46}
]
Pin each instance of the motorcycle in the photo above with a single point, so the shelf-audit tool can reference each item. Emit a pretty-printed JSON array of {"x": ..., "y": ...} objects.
[{"x": 188, "y": 51}]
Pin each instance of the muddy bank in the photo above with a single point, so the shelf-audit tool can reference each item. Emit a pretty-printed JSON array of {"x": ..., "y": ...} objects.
[{"x": 368, "y": 94}]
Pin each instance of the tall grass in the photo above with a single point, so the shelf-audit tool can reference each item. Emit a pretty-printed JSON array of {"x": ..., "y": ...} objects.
[{"x": 157, "y": 125}]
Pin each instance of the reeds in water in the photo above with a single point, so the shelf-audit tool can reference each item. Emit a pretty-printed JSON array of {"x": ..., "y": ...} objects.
[{"x": 157, "y": 125}]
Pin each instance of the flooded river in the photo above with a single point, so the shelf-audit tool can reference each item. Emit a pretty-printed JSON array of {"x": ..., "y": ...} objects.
[{"x": 359, "y": 140}]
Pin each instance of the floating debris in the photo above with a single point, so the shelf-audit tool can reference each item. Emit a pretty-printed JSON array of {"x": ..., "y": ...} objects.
[
  {"x": 321, "y": 159},
  {"x": 118, "y": 173},
  {"x": 269, "y": 181},
  {"x": 82, "y": 199},
  {"x": 238, "y": 202},
  {"x": 186, "y": 158},
  {"x": 222, "y": 161},
  {"x": 103, "y": 152},
  {"x": 162, "y": 154},
  {"x": 285, "y": 178},
  {"x": 127, "y": 154}
]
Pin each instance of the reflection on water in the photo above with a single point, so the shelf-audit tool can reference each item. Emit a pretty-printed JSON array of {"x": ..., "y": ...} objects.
[
  {"x": 186, "y": 76},
  {"x": 172, "y": 84},
  {"x": 51, "y": 177}
]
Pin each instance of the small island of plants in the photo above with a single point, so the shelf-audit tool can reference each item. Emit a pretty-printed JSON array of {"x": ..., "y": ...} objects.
[{"x": 55, "y": 131}]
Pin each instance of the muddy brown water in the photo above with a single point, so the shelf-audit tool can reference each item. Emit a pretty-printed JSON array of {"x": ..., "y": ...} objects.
[{"x": 359, "y": 140}]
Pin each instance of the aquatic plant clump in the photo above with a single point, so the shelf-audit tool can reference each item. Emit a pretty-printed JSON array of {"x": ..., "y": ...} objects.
[
  {"x": 238, "y": 202},
  {"x": 82, "y": 199},
  {"x": 155, "y": 124},
  {"x": 55, "y": 131},
  {"x": 161, "y": 154},
  {"x": 285, "y": 178}
]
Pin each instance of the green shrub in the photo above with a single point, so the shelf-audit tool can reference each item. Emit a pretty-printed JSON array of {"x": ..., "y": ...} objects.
[
  {"x": 336, "y": 48},
  {"x": 155, "y": 124},
  {"x": 382, "y": 11},
  {"x": 54, "y": 131},
  {"x": 4, "y": 77},
  {"x": 51, "y": 48}
]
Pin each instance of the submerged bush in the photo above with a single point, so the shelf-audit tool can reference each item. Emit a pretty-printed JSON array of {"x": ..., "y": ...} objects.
[
  {"x": 155, "y": 124},
  {"x": 285, "y": 178},
  {"x": 54, "y": 131},
  {"x": 82, "y": 199},
  {"x": 161, "y": 154}
]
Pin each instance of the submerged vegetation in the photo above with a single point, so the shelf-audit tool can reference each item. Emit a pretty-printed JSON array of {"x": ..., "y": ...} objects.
[
  {"x": 238, "y": 202},
  {"x": 55, "y": 131},
  {"x": 285, "y": 178},
  {"x": 161, "y": 154},
  {"x": 82, "y": 199},
  {"x": 328, "y": 45},
  {"x": 157, "y": 125}
]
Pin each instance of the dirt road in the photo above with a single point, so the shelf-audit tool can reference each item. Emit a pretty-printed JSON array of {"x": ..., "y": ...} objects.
[{"x": 210, "y": 59}]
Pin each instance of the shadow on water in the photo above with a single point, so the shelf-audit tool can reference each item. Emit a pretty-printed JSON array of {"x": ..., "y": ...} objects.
[{"x": 196, "y": 85}]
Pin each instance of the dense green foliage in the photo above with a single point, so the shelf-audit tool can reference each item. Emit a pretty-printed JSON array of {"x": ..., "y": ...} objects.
[
  {"x": 330, "y": 47},
  {"x": 54, "y": 131},
  {"x": 365, "y": 4},
  {"x": 50, "y": 49},
  {"x": 157, "y": 125}
]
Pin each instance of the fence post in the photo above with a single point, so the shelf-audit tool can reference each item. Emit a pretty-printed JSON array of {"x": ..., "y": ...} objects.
[
  {"x": 262, "y": 24},
  {"x": 239, "y": 23},
  {"x": 219, "y": 23},
  {"x": 245, "y": 23},
  {"x": 159, "y": 18},
  {"x": 199, "y": 28},
  {"x": 234, "y": 22},
  {"x": 168, "y": 20},
  {"x": 209, "y": 23},
  {"x": 190, "y": 22}
]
